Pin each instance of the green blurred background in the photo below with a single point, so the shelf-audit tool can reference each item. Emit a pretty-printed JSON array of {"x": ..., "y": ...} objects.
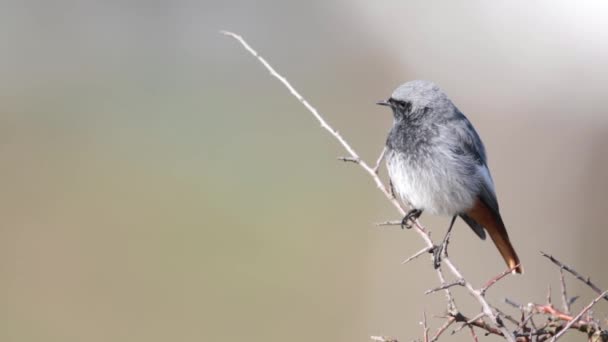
[{"x": 159, "y": 185}]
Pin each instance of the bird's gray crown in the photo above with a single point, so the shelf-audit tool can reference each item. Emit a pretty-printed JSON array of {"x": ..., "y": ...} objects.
[{"x": 420, "y": 94}]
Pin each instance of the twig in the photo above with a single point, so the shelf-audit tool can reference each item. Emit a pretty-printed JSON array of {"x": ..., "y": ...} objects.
[
  {"x": 577, "y": 317},
  {"x": 486, "y": 309},
  {"x": 459, "y": 282},
  {"x": 425, "y": 327},
  {"x": 477, "y": 321},
  {"x": 550, "y": 310},
  {"x": 505, "y": 315},
  {"x": 514, "y": 304},
  {"x": 419, "y": 253},
  {"x": 379, "y": 160},
  {"x": 372, "y": 172},
  {"x": 349, "y": 159},
  {"x": 473, "y": 333},
  {"x": 448, "y": 293},
  {"x": 565, "y": 300},
  {"x": 319, "y": 118},
  {"x": 388, "y": 223},
  {"x": 574, "y": 273},
  {"x": 382, "y": 339},
  {"x": 476, "y": 318},
  {"x": 572, "y": 300},
  {"x": 526, "y": 318},
  {"x": 443, "y": 328},
  {"x": 496, "y": 279}
]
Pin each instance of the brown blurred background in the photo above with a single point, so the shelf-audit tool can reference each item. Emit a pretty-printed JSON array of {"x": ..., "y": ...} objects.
[{"x": 159, "y": 185}]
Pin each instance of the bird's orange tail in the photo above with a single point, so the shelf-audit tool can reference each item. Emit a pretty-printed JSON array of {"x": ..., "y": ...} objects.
[{"x": 496, "y": 228}]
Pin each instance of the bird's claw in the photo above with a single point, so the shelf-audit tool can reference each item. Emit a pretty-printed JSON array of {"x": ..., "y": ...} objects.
[
  {"x": 438, "y": 254},
  {"x": 411, "y": 216}
]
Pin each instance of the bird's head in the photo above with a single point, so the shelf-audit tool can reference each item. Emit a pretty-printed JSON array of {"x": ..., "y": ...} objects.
[{"x": 415, "y": 98}]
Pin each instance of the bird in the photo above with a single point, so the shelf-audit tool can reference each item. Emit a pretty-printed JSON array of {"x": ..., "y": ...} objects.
[{"x": 438, "y": 164}]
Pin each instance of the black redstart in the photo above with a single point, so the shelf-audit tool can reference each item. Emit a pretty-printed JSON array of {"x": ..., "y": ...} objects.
[{"x": 437, "y": 163}]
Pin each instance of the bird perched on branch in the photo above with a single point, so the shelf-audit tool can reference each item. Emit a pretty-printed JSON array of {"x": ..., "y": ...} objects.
[{"x": 437, "y": 163}]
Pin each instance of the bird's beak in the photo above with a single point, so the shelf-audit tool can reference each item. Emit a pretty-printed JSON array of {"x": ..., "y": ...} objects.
[{"x": 383, "y": 103}]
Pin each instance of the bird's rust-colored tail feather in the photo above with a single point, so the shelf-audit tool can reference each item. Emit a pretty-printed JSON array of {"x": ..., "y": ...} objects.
[{"x": 493, "y": 224}]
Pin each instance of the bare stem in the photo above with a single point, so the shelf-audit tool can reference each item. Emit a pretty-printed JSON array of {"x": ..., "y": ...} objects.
[
  {"x": 577, "y": 317},
  {"x": 422, "y": 232},
  {"x": 565, "y": 300},
  {"x": 459, "y": 282},
  {"x": 496, "y": 279},
  {"x": 419, "y": 253},
  {"x": 425, "y": 327},
  {"x": 443, "y": 328},
  {"x": 577, "y": 275},
  {"x": 320, "y": 119},
  {"x": 379, "y": 160},
  {"x": 388, "y": 223}
]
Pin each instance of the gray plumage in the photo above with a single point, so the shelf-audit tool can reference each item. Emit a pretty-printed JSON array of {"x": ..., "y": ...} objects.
[
  {"x": 437, "y": 163},
  {"x": 435, "y": 157}
]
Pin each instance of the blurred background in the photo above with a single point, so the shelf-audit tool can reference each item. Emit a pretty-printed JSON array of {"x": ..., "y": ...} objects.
[{"x": 159, "y": 185}]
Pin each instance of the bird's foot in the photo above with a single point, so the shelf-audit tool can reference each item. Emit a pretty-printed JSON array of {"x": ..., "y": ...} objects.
[
  {"x": 442, "y": 249},
  {"x": 412, "y": 216},
  {"x": 438, "y": 253}
]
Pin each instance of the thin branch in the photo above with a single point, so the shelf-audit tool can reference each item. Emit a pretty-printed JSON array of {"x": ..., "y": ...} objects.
[
  {"x": 422, "y": 232},
  {"x": 550, "y": 310},
  {"x": 379, "y": 160},
  {"x": 388, "y": 223},
  {"x": 573, "y": 300},
  {"x": 525, "y": 319},
  {"x": 443, "y": 328},
  {"x": 349, "y": 159},
  {"x": 496, "y": 279},
  {"x": 476, "y": 318},
  {"x": 419, "y": 253},
  {"x": 565, "y": 300},
  {"x": 473, "y": 334},
  {"x": 459, "y": 282},
  {"x": 382, "y": 339},
  {"x": 293, "y": 92},
  {"x": 425, "y": 327},
  {"x": 577, "y": 317},
  {"x": 505, "y": 315},
  {"x": 578, "y": 276},
  {"x": 319, "y": 118},
  {"x": 478, "y": 322},
  {"x": 448, "y": 293},
  {"x": 486, "y": 309},
  {"x": 514, "y": 304}
]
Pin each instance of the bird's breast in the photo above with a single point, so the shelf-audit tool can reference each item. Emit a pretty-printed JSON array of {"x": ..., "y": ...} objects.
[{"x": 432, "y": 180}]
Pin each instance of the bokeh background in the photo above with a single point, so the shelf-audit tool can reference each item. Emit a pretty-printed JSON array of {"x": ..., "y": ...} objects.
[{"x": 159, "y": 185}]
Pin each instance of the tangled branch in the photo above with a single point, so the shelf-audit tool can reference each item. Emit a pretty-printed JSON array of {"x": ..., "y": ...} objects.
[{"x": 489, "y": 319}]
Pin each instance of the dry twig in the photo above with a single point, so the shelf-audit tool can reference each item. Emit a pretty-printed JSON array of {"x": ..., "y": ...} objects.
[
  {"x": 577, "y": 275},
  {"x": 419, "y": 253},
  {"x": 565, "y": 300},
  {"x": 577, "y": 317},
  {"x": 496, "y": 326}
]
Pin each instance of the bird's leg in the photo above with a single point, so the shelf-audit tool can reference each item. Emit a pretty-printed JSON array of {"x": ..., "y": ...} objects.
[
  {"x": 411, "y": 215},
  {"x": 438, "y": 251}
]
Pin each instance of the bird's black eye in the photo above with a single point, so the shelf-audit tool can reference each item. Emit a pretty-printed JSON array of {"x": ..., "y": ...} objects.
[{"x": 403, "y": 105}]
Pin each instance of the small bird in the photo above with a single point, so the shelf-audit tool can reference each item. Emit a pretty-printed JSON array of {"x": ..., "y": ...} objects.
[{"x": 437, "y": 163}]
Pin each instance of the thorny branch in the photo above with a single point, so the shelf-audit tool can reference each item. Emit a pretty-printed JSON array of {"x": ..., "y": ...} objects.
[
  {"x": 577, "y": 275},
  {"x": 523, "y": 331}
]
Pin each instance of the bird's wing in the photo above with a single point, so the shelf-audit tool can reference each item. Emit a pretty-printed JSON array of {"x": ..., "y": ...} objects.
[
  {"x": 486, "y": 190},
  {"x": 476, "y": 227},
  {"x": 470, "y": 144}
]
